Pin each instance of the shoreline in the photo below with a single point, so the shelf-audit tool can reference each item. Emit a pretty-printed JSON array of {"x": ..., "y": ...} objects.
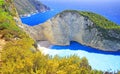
[
  {"x": 45, "y": 44},
  {"x": 33, "y": 13},
  {"x": 44, "y": 47},
  {"x": 104, "y": 66}
]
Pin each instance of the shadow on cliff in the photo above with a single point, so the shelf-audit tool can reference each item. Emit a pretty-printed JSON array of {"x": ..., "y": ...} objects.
[{"x": 76, "y": 46}]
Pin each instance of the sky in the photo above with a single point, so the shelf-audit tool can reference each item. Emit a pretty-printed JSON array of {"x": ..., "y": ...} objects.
[
  {"x": 108, "y": 8},
  {"x": 83, "y": 0}
]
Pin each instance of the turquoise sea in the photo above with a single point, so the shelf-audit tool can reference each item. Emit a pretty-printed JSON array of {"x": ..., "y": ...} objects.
[{"x": 100, "y": 60}]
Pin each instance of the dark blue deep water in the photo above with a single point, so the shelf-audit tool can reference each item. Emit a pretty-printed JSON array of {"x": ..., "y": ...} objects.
[
  {"x": 39, "y": 17},
  {"x": 98, "y": 59},
  {"x": 107, "y": 8},
  {"x": 76, "y": 46}
]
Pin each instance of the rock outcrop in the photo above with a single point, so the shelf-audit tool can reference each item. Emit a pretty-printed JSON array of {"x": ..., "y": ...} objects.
[
  {"x": 39, "y": 6},
  {"x": 74, "y": 26},
  {"x": 26, "y": 7}
]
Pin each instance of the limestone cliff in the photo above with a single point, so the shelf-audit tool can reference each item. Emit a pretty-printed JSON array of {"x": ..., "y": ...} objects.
[
  {"x": 80, "y": 27},
  {"x": 25, "y": 7},
  {"x": 39, "y": 6}
]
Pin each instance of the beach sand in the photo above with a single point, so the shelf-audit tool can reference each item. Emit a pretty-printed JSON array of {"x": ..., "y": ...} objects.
[{"x": 45, "y": 44}]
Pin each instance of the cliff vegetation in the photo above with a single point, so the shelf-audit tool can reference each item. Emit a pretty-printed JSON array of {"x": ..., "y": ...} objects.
[
  {"x": 19, "y": 55},
  {"x": 104, "y": 25}
]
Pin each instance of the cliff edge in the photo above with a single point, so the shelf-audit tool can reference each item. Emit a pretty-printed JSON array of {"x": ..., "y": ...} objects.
[
  {"x": 26, "y": 7},
  {"x": 87, "y": 28}
]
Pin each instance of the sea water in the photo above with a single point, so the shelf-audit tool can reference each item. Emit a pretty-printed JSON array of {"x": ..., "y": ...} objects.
[
  {"x": 100, "y": 60},
  {"x": 107, "y": 8}
]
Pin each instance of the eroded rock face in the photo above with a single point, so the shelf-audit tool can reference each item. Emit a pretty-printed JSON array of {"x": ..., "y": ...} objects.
[
  {"x": 26, "y": 7},
  {"x": 71, "y": 26}
]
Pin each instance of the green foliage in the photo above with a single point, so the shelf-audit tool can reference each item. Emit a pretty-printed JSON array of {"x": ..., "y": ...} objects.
[
  {"x": 100, "y": 20},
  {"x": 8, "y": 27},
  {"x": 17, "y": 61},
  {"x": 18, "y": 58},
  {"x": 103, "y": 25},
  {"x": 6, "y": 20},
  {"x": 1, "y": 2}
]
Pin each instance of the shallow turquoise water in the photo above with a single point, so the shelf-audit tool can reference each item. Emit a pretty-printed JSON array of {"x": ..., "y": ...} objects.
[
  {"x": 105, "y": 61},
  {"x": 97, "y": 61},
  {"x": 101, "y": 60}
]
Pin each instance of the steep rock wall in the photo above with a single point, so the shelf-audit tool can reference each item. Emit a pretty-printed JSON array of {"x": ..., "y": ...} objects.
[
  {"x": 71, "y": 26},
  {"x": 25, "y": 7}
]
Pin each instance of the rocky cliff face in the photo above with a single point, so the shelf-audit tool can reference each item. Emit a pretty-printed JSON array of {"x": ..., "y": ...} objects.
[
  {"x": 25, "y": 7},
  {"x": 39, "y": 6},
  {"x": 72, "y": 26}
]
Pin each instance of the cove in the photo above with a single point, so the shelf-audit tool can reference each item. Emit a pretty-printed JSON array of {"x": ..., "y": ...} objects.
[
  {"x": 109, "y": 10},
  {"x": 39, "y": 17},
  {"x": 76, "y": 46},
  {"x": 100, "y": 60},
  {"x": 104, "y": 62}
]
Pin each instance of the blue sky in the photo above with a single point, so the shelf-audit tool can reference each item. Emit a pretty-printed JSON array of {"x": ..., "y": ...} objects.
[
  {"x": 83, "y": 0},
  {"x": 108, "y": 8}
]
